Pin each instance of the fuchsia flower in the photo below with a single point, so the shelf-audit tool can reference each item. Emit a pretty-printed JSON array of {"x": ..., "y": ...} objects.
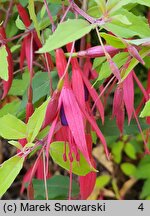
[
  {"x": 134, "y": 53},
  {"x": 30, "y": 43},
  {"x": 37, "y": 172},
  {"x": 87, "y": 87},
  {"x": 77, "y": 82},
  {"x": 128, "y": 95},
  {"x": 87, "y": 182},
  {"x": 114, "y": 69},
  {"x": 97, "y": 51},
  {"x": 124, "y": 98},
  {"x": 118, "y": 107},
  {"x": 73, "y": 117},
  {"x": 88, "y": 71}
]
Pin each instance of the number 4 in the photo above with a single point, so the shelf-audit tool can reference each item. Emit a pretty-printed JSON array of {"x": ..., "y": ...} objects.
[{"x": 141, "y": 207}]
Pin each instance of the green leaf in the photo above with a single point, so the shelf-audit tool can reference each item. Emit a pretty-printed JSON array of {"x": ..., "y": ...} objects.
[
  {"x": 94, "y": 11},
  {"x": 44, "y": 23},
  {"x": 33, "y": 16},
  {"x": 65, "y": 33},
  {"x": 19, "y": 86},
  {"x": 143, "y": 171},
  {"x": 117, "y": 151},
  {"x": 139, "y": 41},
  {"x": 35, "y": 122},
  {"x": 145, "y": 160},
  {"x": 143, "y": 52},
  {"x": 144, "y": 2},
  {"x": 59, "y": 2},
  {"x": 40, "y": 86},
  {"x": 108, "y": 128},
  {"x": 58, "y": 187},
  {"x": 115, "y": 188},
  {"x": 114, "y": 5},
  {"x": 20, "y": 25},
  {"x": 10, "y": 108},
  {"x": 94, "y": 136},
  {"x": 145, "y": 190},
  {"x": 3, "y": 63},
  {"x": 79, "y": 168},
  {"x": 102, "y": 5},
  {"x": 127, "y": 31},
  {"x": 121, "y": 18},
  {"x": 29, "y": 145},
  {"x": 9, "y": 171},
  {"x": 102, "y": 181},
  {"x": 98, "y": 63},
  {"x": 43, "y": 11},
  {"x": 12, "y": 128},
  {"x": 130, "y": 150},
  {"x": 146, "y": 111},
  {"x": 128, "y": 169},
  {"x": 16, "y": 144},
  {"x": 112, "y": 40},
  {"x": 43, "y": 133},
  {"x": 14, "y": 48}
]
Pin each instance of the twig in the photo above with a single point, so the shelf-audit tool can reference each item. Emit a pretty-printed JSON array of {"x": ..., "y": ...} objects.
[
  {"x": 8, "y": 13},
  {"x": 65, "y": 14},
  {"x": 44, "y": 171},
  {"x": 50, "y": 16},
  {"x": 69, "y": 60},
  {"x": 102, "y": 92},
  {"x": 92, "y": 20},
  {"x": 147, "y": 151},
  {"x": 18, "y": 36},
  {"x": 83, "y": 40},
  {"x": 84, "y": 5}
]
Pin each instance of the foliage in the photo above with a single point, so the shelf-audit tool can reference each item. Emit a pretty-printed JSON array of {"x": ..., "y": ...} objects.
[{"x": 72, "y": 104}]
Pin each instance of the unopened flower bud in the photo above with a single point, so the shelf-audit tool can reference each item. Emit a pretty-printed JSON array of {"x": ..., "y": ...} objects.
[{"x": 97, "y": 51}]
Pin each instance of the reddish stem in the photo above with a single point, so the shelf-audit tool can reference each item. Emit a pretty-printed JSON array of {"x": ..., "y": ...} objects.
[
  {"x": 140, "y": 86},
  {"x": 50, "y": 16},
  {"x": 147, "y": 151},
  {"x": 8, "y": 13}
]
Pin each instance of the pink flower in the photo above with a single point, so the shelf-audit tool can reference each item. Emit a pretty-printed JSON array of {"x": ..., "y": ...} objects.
[{"x": 118, "y": 107}]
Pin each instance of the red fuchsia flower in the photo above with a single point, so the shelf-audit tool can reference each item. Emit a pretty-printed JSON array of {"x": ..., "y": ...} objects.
[
  {"x": 77, "y": 82},
  {"x": 87, "y": 182},
  {"x": 31, "y": 43},
  {"x": 118, "y": 107},
  {"x": 128, "y": 95},
  {"x": 88, "y": 88},
  {"x": 52, "y": 109},
  {"x": 97, "y": 51},
  {"x": 72, "y": 116},
  {"x": 114, "y": 69},
  {"x": 88, "y": 70},
  {"x": 148, "y": 17},
  {"x": 7, "y": 84},
  {"x": 37, "y": 171},
  {"x": 75, "y": 120},
  {"x": 124, "y": 97},
  {"x": 134, "y": 53}
]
